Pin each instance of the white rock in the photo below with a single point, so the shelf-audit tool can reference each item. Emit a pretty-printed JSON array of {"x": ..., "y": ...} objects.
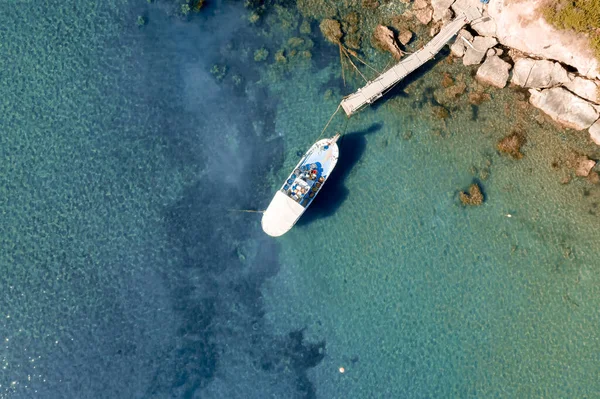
[
  {"x": 565, "y": 107},
  {"x": 466, "y": 34},
  {"x": 490, "y": 52},
  {"x": 439, "y": 7},
  {"x": 385, "y": 37},
  {"x": 520, "y": 25},
  {"x": 447, "y": 16},
  {"x": 460, "y": 6},
  {"x": 405, "y": 37},
  {"x": 499, "y": 51},
  {"x": 494, "y": 71},
  {"x": 595, "y": 132},
  {"x": 538, "y": 74},
  {"x": 474, "y": 55},
  {"x": 424, "y": 15},
  {"x": 484, "y": 26},
  {"x": 459, "y": 47},
  {"x": 419, "y": 4},
  {"x": 584, "y": 88}
]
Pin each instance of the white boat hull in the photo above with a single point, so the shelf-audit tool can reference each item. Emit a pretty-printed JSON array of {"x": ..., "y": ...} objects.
[{"x": 287, "y": 206}]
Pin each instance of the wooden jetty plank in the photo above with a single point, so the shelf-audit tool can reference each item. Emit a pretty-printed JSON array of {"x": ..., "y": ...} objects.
[{"x": 375, "y": 89}]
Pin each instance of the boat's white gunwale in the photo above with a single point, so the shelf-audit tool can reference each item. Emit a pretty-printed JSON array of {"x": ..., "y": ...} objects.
[{"x": 283, "y": 212}]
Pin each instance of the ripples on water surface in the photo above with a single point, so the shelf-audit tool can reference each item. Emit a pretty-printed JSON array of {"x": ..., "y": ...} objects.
[{"x": 124, "y": 275}]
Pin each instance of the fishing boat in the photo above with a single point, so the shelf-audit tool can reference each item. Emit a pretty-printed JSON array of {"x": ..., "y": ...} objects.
[{"x": 301, "y": 187}]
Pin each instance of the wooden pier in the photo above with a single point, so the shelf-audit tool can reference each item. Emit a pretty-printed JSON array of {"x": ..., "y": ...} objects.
[{"x": 377, "y": 88}]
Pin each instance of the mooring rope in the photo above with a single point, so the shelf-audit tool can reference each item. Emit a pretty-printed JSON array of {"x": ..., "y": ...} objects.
[
  {"x": 328, "y": 122},
  {"x": 355, "y": 67},
  {"x": 353, "y": 53}
]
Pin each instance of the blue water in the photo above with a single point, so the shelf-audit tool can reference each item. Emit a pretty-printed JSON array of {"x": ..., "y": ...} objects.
[{"x": 127, "y": 271}]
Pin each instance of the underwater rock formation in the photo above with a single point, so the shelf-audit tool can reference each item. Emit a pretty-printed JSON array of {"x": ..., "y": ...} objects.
[
  {"x": 512, "y": 144},
  {"x": 584, "y": 166},
  {"x": 332, "y": 30},
  {"x": 474, "y": 197}
]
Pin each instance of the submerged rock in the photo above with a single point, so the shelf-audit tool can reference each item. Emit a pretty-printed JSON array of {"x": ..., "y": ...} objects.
[
  {"x": 384, "y": 39},
  {"x": 332, "y": 30},
  {"x": 474, "y": 197},
  {"x": 538, "y": 74},
  {"x": 478, "y": 97},
  {"x": 584, "y": 166},
  {"x": 512, "y": 144},
  {"x": 494, "y": 71},
  {"x": 370, "y": 4},
  {"x": 475, "y": 53},
  {"x": 565, "y": 107}
]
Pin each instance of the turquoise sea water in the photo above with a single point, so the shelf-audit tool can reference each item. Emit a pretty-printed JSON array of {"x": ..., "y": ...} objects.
[{"x": 124, "y": 272}]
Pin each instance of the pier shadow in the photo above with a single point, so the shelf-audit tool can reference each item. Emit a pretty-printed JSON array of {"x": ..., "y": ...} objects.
[
  {"x": 398, "y": 90},
  {"x": 334, "y": 192}
]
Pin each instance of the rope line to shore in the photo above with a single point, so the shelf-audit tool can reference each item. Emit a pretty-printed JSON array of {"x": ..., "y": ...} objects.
[{"x": 330, "y": 119}]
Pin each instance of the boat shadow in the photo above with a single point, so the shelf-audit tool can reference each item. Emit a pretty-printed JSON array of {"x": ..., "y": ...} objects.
[{"x": 334, "y": 192}]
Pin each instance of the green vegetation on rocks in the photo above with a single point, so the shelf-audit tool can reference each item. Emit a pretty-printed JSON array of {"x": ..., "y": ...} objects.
[{"x": 582, "y": 16}]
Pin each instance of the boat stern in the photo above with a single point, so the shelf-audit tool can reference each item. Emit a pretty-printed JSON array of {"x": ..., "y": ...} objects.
[{"x": 281, "y": 215}]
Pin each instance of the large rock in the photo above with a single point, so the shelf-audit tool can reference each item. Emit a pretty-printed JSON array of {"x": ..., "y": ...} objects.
[
  {"x": 494, "y": 71},
  {"x": 420, "y": 4},
  {"x": 424, "y": 15},
  {"x": 385, "y": 39},
  {"x": 484, "y": 26},
  {"x": 475, "y": 53},
  {"x": 440, "y": 7},
  {"x": 538, "y": 74},
  {"x": 460, "y": 6},
  {"x": 520, "y": 25},
  {"x": 565, "y": 107},
  {"x": 584, "y": 166},
  {"x": 459, "y": 47},
  {"x": 405, "y": 37},
  {"x": 584, "y": 88},
  {"x": 595, "y": 132}
]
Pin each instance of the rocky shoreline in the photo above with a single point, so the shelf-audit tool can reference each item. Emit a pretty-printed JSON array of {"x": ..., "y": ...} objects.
[{"x": 513, "y": 44}]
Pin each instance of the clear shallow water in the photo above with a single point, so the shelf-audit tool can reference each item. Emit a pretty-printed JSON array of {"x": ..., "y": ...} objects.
[{"x": 124, "y": 275}]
